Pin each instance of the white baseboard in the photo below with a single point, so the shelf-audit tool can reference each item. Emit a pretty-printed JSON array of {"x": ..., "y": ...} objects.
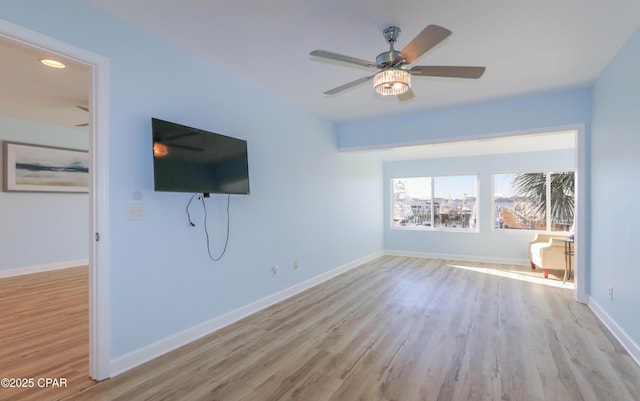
[
  {"x": 464, "y": 258},
  {"x": 627, "y": 342},
  {"x": 43, "y": 268},
  {"x": 128, "y": 361}
]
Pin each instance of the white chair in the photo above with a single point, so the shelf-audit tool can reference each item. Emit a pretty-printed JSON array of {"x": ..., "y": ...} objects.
[{"x": 546, "y": 251}]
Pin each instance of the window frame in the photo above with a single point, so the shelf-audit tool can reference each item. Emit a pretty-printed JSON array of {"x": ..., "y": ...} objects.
[
  {"x": 548, "y": 222},
  {"x": 432, "y": 226}
]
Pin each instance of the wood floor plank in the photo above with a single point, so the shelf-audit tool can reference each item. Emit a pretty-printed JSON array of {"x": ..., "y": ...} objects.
[
  {"x": 44, "y": 332},
  {"x": 395, "y": 328}
]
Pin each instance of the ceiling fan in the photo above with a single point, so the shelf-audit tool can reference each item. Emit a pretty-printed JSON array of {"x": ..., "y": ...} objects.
[
  {"x": 394, "y": 75},
  {"x": 83, "y": 108}
]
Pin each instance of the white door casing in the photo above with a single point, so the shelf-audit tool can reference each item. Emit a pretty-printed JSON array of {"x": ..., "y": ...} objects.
[{"x": 99, "y": 339}]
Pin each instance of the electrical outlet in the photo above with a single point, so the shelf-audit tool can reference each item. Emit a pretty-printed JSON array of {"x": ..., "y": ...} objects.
[
  {"x": 611, "y": 293},
  {"x": 274, "y": 270},
  {"x": 295, "y": 265},
  {"x": 136, "y": 211}
]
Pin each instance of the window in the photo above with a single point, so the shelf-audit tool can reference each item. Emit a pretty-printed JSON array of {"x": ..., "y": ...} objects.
[
  {"x": 447, "y": 202},
  {"x": 534, "y": 201}
]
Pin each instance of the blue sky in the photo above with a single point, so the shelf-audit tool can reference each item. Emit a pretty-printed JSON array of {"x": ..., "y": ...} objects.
[
  {"x": 444, "y": 187},
  {"x": 502, "y": 185}
]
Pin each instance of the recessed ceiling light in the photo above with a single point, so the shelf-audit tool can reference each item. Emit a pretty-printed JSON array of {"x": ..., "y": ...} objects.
[{"x": 52, "y": 63}]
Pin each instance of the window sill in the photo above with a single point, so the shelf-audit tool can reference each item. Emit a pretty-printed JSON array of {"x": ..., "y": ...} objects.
[{"x": 435, "y": 229}]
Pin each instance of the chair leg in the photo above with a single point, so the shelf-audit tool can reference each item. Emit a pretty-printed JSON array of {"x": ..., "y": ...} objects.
[
  {"x": 546, "y": 272},
  {"x": 533, "y": 266}
]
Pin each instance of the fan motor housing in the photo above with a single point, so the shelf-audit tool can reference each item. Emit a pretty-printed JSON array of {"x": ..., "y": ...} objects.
[{"x": 387, "y": 58}]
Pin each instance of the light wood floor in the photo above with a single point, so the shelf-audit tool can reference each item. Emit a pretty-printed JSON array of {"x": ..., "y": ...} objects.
[
  {"x": 44, "y": 332},
  {"x": 399, "y": 329},
  {"x": 393, "y": 329}
]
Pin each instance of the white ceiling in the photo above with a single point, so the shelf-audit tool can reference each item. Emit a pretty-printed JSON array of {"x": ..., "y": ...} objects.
[
  {"x": 527, "y": 46},
  {"x": 34, "y": 92},
  {"x": 480, "y": 147}
]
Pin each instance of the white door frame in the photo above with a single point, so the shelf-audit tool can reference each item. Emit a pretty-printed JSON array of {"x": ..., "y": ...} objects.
[
  {"x": 99, "y": 322},
  {"x": 581, "y": 260}
]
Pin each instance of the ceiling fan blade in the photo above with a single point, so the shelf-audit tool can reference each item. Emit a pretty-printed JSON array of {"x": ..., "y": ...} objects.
[
  {"x": 173, "y": 137},
  {"x": 427, "y": 39},
  {"x": 341, "y": 57},
  {"x": 447, "y": 71},
  {"x": 83, "y": 108},
  {"x": 408, "y": 95},
  {"x": 348, "y": 85},
  {"x": 185, "y": 147},
  {"x": 82, "y": 125}
]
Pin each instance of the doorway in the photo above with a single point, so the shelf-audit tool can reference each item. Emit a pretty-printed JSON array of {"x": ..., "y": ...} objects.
[{"x": 97, "y": 231}]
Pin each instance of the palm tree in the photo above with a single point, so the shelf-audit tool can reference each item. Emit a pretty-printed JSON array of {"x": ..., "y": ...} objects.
[{"x": 531, "y": 188}]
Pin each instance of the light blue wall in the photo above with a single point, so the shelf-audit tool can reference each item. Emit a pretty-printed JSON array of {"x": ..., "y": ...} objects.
[
  {"x": 518, "y": 115},
  {"x": 523, "y": 115},
  {"x": 305, "y": 201},
  {"x": 615, "y": 165},
  {"x": 488, "y": 243},
  {"x": 38, "y": 228}
]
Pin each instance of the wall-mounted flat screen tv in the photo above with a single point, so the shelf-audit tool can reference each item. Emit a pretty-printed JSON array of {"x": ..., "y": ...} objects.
[{"x": 192, "y": 160}]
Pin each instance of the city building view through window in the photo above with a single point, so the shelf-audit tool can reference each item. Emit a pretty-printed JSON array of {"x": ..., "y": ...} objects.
[
  {"x": 534, "y": 201},
  {"x": 444, "y": 202}
]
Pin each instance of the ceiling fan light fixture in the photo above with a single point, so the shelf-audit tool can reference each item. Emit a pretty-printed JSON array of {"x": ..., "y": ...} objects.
[{"x": 392, "y": 82}]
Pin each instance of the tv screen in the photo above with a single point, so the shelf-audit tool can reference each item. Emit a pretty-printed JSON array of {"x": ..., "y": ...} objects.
[{"x": 188, "y": 159}]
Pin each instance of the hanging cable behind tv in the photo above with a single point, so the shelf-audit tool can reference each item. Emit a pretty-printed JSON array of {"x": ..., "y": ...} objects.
[{"x": 201, "y": 197}]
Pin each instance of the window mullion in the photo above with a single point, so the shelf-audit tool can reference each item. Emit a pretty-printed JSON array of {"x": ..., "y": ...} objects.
[
  {"x": 548, "y": 200},
  {"x": 433, "y": 201}
]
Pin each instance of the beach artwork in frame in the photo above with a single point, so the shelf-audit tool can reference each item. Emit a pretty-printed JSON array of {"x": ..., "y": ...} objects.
[{"x": 35, "y": 168}]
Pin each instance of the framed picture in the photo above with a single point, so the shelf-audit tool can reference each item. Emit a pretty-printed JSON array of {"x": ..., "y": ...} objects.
[{"x": 35, "y": 168}]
